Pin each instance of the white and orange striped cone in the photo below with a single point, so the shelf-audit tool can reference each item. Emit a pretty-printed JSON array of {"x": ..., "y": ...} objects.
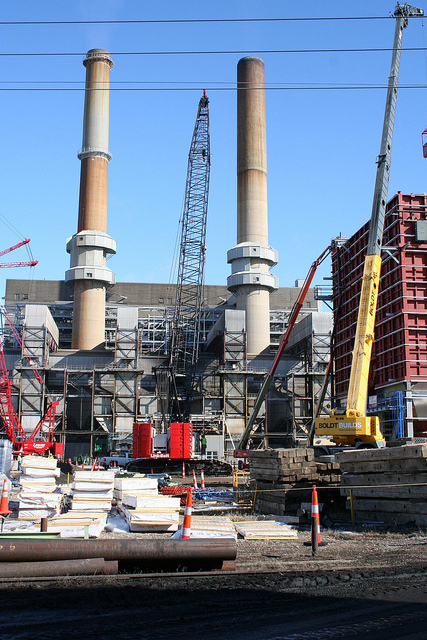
[
  {"x": 99, "y": 465},
  {"x": 194, "y": 480},
  {"x": 315, "y": 520},
  {"x": 183, "y": 470},
  {"x": 83, "y": 464},
  {"x": 4, "y": 503},
  {"x": 186, "y": 525},
  {"x": 94, "y": 465},
  {"x": 202, "y": 480}
]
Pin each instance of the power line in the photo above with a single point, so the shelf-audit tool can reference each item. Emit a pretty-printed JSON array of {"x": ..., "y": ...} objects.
[
  {"x": 202, "y": 86},
  {"x": 218, "y": 52},
  {"x": 192, "y": 20}
]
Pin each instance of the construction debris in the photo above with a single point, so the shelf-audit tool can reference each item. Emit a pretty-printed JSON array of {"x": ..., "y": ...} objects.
[{"x": 388, "y": 485}]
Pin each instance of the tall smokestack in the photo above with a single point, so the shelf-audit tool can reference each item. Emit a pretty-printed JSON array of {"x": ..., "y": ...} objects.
[
  {"x": 90, "y": 245},
  {"x": 252, "y": 256}
]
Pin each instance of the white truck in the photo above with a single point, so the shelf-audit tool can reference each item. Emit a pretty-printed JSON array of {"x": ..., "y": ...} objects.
[{"x": 116, "y": 460}]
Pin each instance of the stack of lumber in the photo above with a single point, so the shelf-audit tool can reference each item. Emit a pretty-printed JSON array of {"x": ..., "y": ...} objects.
[
  {"x": 136, "y": 486},
  {"x": 78, "y": 524},
  {"x": 280, "y": 474},
  {"x": 266, "y": 530},
  {"x": 39, "y": 496},
  {"x": 92, "y": 490},
  {"x": 388, "y": 485},
  {"x": 150, "y": 513},
  {"x": 210, "y": 527}
]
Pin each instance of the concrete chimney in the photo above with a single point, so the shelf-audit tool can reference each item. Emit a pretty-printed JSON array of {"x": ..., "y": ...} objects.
[
  {"x": 89, "y": 247},
  {"x": 252, "y": 257}
]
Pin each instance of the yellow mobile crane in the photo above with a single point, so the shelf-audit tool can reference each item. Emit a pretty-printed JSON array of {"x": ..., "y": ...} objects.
[{"x": 351, "y": 426}]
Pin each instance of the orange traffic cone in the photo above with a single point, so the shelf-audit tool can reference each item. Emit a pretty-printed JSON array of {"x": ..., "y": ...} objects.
[
  {"x": 202, "y": 480},
  {"x": 4, "y": 504},
  {"x": 315, "y": 513},
  {"x": 94, "y": 464},
  {"x": 186, "y": 526},
  {"x": 183, "y": 470},
  {"x": 194, "y": 480},
  {"x": 99, "y": 465}
]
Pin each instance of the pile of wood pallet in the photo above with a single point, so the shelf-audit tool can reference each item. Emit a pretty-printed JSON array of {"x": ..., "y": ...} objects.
[
  {"x": 281, "y": 475},
  {"x": 388, "y": 485}
]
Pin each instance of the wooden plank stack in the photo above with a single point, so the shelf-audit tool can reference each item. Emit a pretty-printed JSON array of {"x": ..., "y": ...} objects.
[
  {"x": 135, "y": 486},
  {"x": 39, "y": 496},
  {"x": 92, "y": 490},
  {"x": 389, "y": 485},
  {"x": 151, "y": 513},
  {"x": 280, "y": 474},
  {"x": 266, "y": 530},
  {"x": 78, "y": 524}
]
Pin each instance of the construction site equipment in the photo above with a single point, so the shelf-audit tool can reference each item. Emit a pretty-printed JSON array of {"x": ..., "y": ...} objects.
[
  {"x": 243, "y": 443},
  {"x": 186, "y": 527},
  {"x": 27, "y": 263},
  {"x": 22, "y": 442},
  {"x": 315, "y": 521},
  {"x": 184, "y": 344},
  {"x": 351, "y": 426},
  {"x": 4, "y": 503}
]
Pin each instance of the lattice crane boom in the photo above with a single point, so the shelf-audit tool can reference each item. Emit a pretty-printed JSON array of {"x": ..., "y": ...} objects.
[{"x": 188, "y": 303}]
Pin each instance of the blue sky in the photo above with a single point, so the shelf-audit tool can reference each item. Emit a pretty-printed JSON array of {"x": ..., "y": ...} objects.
[{"x": 321, "y": 144}]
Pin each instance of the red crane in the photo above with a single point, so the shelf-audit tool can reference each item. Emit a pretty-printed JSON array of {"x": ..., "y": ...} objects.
[
  {"x": 22, "y": 442},
  {"x": 28, "y": 263}
]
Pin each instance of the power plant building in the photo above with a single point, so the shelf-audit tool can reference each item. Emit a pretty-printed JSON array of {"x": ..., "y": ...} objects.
[{"x": 99, "y": 344}]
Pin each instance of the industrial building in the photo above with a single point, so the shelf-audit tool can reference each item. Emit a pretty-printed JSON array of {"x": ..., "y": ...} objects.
[
  {"x": 99, "y": 345},
  {"x": 398, "y": 372}
]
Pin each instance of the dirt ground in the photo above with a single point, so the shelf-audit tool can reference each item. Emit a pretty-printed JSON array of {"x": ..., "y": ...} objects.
[{"x": 363, "y": 583}]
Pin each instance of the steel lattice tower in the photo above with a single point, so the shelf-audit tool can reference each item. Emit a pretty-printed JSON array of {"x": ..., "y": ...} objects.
[{"x": 184, "y": 347}]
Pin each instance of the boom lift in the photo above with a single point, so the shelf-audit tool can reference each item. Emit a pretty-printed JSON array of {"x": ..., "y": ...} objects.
[{"x": 351, "y": 426}]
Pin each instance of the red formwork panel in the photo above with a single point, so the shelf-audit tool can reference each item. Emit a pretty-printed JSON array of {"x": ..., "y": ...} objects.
[{"x": 400, "y": 347}]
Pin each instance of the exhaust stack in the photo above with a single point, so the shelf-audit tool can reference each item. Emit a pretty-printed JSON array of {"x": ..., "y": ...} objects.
[
  {"x": 89, "y": 247},
  {"x": 252, "y": 257}
]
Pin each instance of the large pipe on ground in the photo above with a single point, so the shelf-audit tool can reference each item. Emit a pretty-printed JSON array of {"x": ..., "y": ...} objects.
[
  {"x": 81, "y": 567},
  {"x": 148, "y": 552},
  {"x": 252, "y": 257},
  {"x": 91, "y": 244}
]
